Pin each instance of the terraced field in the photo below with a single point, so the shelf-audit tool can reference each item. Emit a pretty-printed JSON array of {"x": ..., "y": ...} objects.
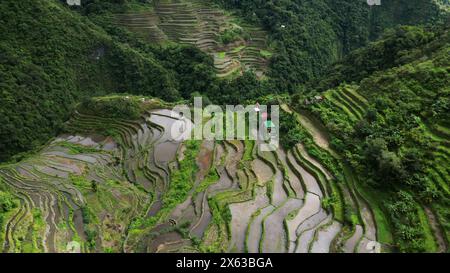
[
  {"x": 435, "y": 216},
  {"x": 349, "y": 105},
  {"x": 348, "y": 202},
  {"x": 235, "y": 47},
  {"x": 112, "y": 185},
  {"x": 347, "y": 101}
]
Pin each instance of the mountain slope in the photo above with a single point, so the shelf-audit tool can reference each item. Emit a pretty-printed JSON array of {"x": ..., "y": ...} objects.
[
  {"x": 53, "y": 57},
  {"x": 391, "y": 126}
]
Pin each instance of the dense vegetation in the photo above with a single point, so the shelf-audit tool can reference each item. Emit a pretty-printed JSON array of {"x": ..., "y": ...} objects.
[
  {"x": 390, "y": 141},
  {"x": 383, "y": 91},
  {"x": 310, "y": 35},
  {"x": 54, "y": 56},
  {"x": 44, "y": 73}
]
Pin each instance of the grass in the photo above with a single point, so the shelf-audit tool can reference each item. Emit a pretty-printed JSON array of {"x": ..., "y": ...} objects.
[
  {"x": 81, "y": 182},
  {"x": 248, "y": 153},
  {"x": 430, "y": 243},
  {"x": 346, "y": 104},
  {"x": 357, "y": 108},
  {"x": 210, "y": 179},
  {"x": 75, "y": 149},
  {"x": 265, "y": 54},
  {"x": 182, "y": 181},
  {"x": 335, "y": 200},
  {"x": 237, "y": 49},
  {"x": 138, "y": 7},
  {"x": 442, "y": 129},
  {"x": 38, "y": 228},
  {"x": 374, "y": 198}
]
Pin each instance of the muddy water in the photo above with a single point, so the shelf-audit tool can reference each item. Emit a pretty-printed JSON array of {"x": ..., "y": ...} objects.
[
  {"x": 309, "y": 181},
  {"x": 294, "y": 181},
  {"x": 307, "y": 236},
  {"x": 279, "y": 194},
  {"x": 52, "y": 172},
  {"x": 174, "y": 247},
  {"x": 166, "y": 143},
  {"x": 109, "y": 145},
  {"x": 224, "y": 183},
  {"x": 241, "y": 216},
  {"x": 325, "y": 237},
  {"x": 24, "y": 170},
  {"x": 274, "y": 240},
  {"x": 255, "y": 230},
  {"x": 205, "y": 218},
  {"x": 142, "y": 180},
  {"x": 166, "y": 123},
  {"x": 167, "y": 113},
  {"x": 366, "y": 246},
  {"x": 174, "y": 127},
  {"x": 158, "y": 243},
  {"x": 350, "y": 244},
  {"x": 51, "y": 220},
  {"x": 65, "y": 165},
  {"x": 310, "y": 207},
  {"x": 166, "y": 151},
  {"x": 308, "y": 224},
  {"x": 88, "y": 142},
  {"x": 154, "y": 208},
  {"x": 263, "y": 172},
  {"x": 85, "y": 158},
  {"x": 144, "y": 134},
  {"x": 312, "y": 222}
]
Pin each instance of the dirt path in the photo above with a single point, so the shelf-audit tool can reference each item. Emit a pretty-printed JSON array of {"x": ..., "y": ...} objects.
[{"x": 317, "y": 131}]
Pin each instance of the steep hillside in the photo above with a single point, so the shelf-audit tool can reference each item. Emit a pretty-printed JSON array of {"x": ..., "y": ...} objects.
[
  {"x": 111, "y": 184},
  {"x": 392, "y": 128},
  {"x": 235, "y": 46},
  {"x": 311, "y": 35},
  {"x": 52, "y": 57}
]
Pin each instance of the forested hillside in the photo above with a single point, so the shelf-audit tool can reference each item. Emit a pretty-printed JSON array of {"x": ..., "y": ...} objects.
[
  {"x": 310, "y": 35},
  {"x": 391, "y": 124},
  {"x": 51, "y": 57}
]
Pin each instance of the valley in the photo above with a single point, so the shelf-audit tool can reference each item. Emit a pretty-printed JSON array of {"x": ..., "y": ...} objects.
[{"x": 239, "y": 200}]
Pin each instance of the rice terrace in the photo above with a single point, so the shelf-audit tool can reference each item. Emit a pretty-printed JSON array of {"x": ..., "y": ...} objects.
[{"x": 96, "y": 156}]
